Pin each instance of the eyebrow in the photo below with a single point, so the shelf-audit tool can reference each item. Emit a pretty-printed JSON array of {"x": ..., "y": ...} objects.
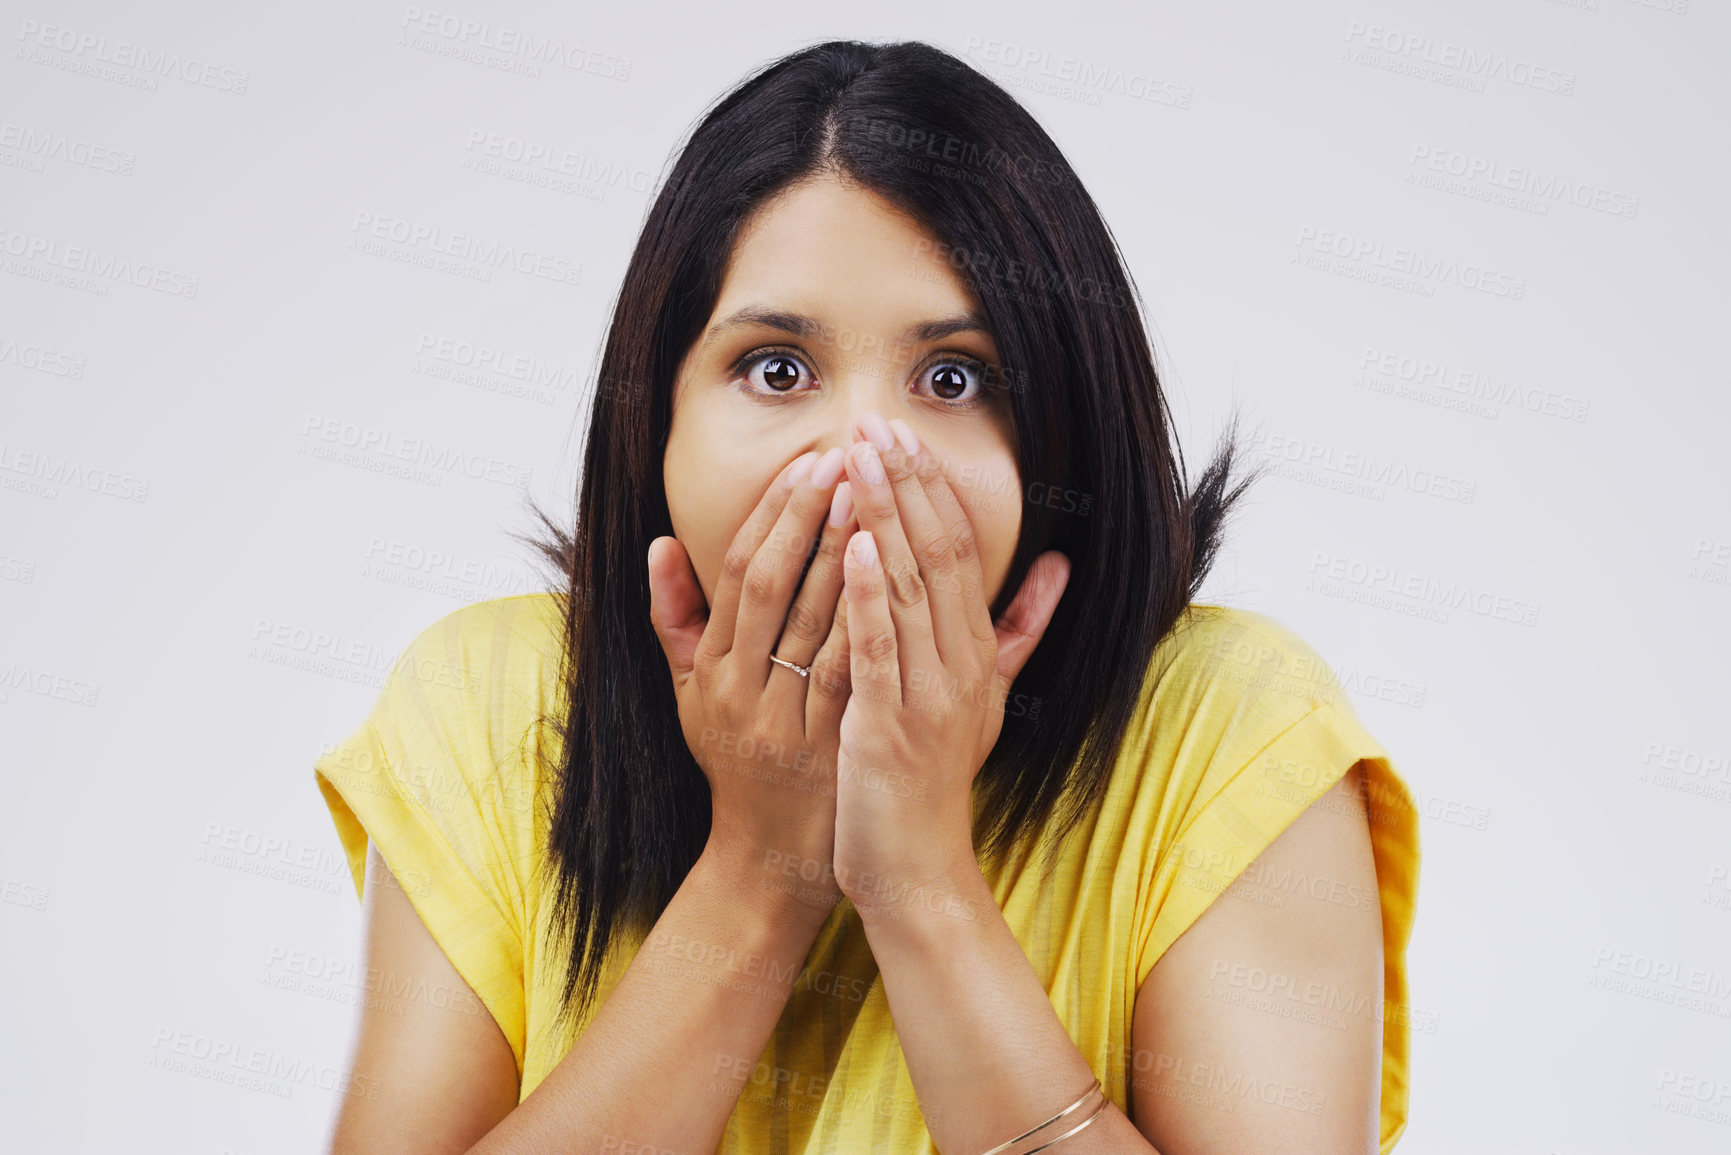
[{"x": 803, "y": 326}]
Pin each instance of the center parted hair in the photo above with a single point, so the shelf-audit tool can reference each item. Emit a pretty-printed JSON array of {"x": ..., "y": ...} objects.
[{"x": 1102, "y": 477}]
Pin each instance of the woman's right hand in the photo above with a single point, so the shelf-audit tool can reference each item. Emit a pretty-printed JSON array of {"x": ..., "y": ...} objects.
[{"x": 766, "y": 737}]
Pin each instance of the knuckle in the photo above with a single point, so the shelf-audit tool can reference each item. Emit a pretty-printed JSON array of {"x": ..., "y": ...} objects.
[
  {"x": 803, "y": 623},
  {"x": 905, "y": 584},
  {"x": 736, "y": 562},
  {"x": 759, "y": 584},
  {"x": 829, "y": 676},
  {"x": 963, "y": 542},
  {"x": 880, "y": 501},
  {"x": 878, "y": 646},
  {"x": 933, "y": 545}
]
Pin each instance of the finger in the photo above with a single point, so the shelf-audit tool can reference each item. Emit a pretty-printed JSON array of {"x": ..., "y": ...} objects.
[
  {"x": 768, "y": 588},
  {"x": 719, "y": 638},
  {"x": 941, "y": 492},
  {"x": 812, "y": 616},
  {"x": 826, "y": 697},
  {"x": 906, "y": 601},
  {"x": 914, "y": 471},
  {"x": 874, "y": 668},
  {"x": 1029, "y": 612},
  {"x": 676, "y": 606}
]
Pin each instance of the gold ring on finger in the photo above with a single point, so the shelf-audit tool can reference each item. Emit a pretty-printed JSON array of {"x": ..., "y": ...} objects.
[{"x": 802, "y": 671}]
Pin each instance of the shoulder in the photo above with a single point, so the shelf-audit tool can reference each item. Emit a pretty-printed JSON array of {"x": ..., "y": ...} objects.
[
  {"x": 1225, "y": 648},
  {"x": 475, "y": 680},
  {"x": 523, "y": 627},
  {"x": 473, "y": 652},
  {"x": 1228, "y": 641},
  {"x": 1227, "y": 690}
]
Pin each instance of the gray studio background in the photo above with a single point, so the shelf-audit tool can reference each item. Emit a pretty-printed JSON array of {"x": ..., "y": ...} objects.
[{"x": 1462, "y": 266}]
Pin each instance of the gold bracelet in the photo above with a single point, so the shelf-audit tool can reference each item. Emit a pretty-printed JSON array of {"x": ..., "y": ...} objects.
[
  {"x": 1011, "y": 1142},
  {"x": 1071, "y": 1131}
]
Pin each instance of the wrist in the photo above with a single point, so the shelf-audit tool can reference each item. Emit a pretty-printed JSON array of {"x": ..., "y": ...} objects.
[
  {"x": 930, "y": 903},
  {"x": 782, "y": 891}
]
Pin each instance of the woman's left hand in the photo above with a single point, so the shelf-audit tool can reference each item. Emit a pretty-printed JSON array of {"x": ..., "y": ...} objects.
[{"x": 930, "y": 675}]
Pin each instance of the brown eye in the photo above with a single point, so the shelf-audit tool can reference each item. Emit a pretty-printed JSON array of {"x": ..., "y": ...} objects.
[
  {"x": 949, "y": 382},
  {"x": 778, "y": 369},
  {"x": 959, "y": 382},
  {"x": 780, "y": 373}
]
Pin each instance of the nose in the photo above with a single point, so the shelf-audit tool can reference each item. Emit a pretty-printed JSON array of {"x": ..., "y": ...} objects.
[{"x": 850, "y": 431}]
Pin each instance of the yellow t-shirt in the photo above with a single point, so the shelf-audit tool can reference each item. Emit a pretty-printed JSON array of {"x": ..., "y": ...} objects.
[{"x": 1241, "y": 727}]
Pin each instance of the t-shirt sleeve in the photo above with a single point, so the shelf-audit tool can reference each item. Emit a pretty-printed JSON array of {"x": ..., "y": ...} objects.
[
  {"x": 1257, "y": 729},
  {"x": 421, "y": 778}
]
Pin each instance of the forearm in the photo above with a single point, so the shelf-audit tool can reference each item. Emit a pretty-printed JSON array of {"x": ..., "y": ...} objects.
[
  {"x": 665, "y": 1058},
  {"x": 988, "y": 1056}
]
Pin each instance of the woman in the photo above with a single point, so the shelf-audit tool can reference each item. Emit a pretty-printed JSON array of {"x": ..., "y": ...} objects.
[{"x": 875, "y": 690}]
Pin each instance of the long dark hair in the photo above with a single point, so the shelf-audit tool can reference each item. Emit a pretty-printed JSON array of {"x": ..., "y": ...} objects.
[{"x": 1102, "y": 476}]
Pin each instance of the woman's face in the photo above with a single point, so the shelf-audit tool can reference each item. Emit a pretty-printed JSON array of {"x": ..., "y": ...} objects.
[{"x": 753, "y": 393}]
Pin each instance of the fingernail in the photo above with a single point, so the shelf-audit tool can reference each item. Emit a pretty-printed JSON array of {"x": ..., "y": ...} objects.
[
  {"x": 877, "y": 430},
  {"x": 828, "y": 468},
  {"x": 800, "y": 467},
  {"x": 841, "y": 505},
  {"x": 866, "y": 460},
  {"x": 905, "y": 434},
  {"x": 865, "y": 548}
]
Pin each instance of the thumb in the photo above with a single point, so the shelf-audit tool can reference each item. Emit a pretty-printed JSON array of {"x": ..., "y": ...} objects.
[
  {"x": 1024, "y": 622},
  {"x": 677, "y": 608}
]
